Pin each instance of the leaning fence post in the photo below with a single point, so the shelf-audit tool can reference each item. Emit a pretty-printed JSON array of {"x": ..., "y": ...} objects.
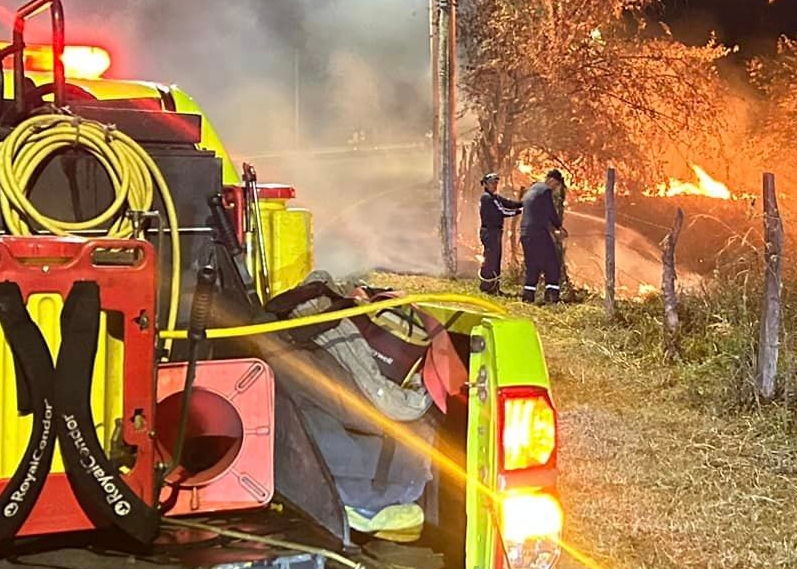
[
  {"x": 610, "y": 258},
  {"x": 767, "y": 360},
  {"x": 668, "y": 278}
]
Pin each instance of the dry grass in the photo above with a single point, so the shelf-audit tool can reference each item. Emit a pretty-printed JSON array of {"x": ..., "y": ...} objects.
[{"x": 651, "y": 475}]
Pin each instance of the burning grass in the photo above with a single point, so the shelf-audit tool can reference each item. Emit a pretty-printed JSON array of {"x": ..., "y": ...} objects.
[{"x": 660, "y": 466}]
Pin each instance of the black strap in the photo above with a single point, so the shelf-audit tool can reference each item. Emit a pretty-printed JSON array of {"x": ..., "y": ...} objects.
[
  {"x": 96, "y": 483},
  {"x": 285, "y": 302},
  {"x": 383, "y": 463},
  {"x": 303, "y": 336},
  {"x": 34, "y": 392}
]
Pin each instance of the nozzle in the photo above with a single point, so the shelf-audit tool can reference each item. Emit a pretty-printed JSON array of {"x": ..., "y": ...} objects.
[{"x": 224, "y": 225}]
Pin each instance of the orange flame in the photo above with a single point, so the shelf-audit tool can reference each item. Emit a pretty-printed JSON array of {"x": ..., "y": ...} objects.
[
  {"x": 645, "y": 290},
  {"x": 706, "y": 186}
]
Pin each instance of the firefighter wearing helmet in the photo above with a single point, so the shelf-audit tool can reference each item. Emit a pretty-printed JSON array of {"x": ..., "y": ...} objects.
[{"x": 493, "y": 209}]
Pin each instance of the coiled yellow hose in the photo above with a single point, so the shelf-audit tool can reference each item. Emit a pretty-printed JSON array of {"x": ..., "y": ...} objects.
[{"x": 133, "y": 173}]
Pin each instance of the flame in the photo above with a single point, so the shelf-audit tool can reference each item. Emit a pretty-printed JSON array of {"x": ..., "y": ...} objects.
[
  {"x": 525, "y": 168},
  {"x": 706, "y": 186},
  {"x": 645, "y": 290}
]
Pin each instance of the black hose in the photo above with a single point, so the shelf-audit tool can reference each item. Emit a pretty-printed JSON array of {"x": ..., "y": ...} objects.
[
  {"x": 197, "y": 324},
  {"x": 201, "y": 303}
]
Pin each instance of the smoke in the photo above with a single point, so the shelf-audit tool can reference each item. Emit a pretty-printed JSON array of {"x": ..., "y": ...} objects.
[
  {"x": 335, "y": 68},
  {"x": 638, "y": 260}
]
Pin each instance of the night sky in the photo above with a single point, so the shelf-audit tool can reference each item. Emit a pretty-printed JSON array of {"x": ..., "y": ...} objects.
[{"x": 752, "y": 24}]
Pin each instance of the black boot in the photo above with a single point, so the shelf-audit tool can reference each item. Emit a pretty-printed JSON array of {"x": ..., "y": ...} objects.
[
  {"x": 551, "y": 295},
  {"x": 528, "y": 294}
]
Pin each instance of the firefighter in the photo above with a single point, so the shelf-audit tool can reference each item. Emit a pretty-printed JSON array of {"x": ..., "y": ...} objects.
[
  {"x": 539, "y": 251},
  {"x": 493, "y": 208}
]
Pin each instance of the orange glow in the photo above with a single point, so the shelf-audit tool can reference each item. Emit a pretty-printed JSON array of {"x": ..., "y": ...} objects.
[
  {"x": 86, "y": 62},
  {"x": 646, "y": 290},
  {"x": 705, "y": 186},
  {"x": 528, "y": 515},
  {"x": 80, "y": 61},
  {"x": 529, "y": 432}
]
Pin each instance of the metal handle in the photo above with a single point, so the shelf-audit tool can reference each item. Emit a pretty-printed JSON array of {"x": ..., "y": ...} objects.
[{"x": 27, "y": 11}]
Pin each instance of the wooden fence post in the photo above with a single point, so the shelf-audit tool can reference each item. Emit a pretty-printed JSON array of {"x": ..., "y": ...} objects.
[
  {"x": 668, "y": 278},
  {"x": 610, "y": 252},
  {"x": 767, "y": 360}
]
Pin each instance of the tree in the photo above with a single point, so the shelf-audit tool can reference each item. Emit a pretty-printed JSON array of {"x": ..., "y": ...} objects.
[
  {"x": 584, "y": 83},
  {"x": 775, "y": 78}
]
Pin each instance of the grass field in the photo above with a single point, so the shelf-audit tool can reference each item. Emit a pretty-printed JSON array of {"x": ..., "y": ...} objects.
[{"x": 659, "y": 468}]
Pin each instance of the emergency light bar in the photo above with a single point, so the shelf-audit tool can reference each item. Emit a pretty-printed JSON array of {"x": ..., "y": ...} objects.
[{"x": 80, "y": 61}]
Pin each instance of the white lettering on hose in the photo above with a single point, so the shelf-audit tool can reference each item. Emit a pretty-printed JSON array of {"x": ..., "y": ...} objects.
[
  {"x": 113, "y": 496},
  {"x": 18, "y": 496}
]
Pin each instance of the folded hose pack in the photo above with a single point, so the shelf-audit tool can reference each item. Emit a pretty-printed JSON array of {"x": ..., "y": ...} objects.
[{"x": 373, "y": 431}]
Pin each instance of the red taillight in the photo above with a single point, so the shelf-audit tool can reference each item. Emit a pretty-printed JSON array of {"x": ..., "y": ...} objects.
[{"x": 527, "y": 428}]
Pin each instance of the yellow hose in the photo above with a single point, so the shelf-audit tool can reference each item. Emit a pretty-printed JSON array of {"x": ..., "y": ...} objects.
[
  {"x": 133, "y": 173},
  {"x": 253, "y": 329}
]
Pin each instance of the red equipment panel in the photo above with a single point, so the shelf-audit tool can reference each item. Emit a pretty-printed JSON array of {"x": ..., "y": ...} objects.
[
  {"x": 234, "y": 201},
  {"x": 128, "y": 287},
  {"x": 228, "y": 455}
]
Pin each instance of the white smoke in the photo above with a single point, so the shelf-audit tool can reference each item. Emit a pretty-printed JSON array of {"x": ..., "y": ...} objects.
[{"x": 363, "y": 66}]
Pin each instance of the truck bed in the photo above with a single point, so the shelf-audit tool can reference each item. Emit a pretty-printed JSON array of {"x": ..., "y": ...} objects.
[{"x": 182, "y": 548}]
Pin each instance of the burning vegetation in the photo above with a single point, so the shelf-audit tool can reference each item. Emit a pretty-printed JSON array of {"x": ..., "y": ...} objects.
[{"x": 588, "y": 84}]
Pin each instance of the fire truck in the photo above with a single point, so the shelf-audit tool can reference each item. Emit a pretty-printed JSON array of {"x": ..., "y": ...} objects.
[{"x": 154, "y": 378}]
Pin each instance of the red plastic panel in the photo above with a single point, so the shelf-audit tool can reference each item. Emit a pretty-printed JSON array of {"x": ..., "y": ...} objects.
[
  {"x": 228, "y": 455},
  {"x": 52, "y": 265},
  {"x": 275, "y": 192}
]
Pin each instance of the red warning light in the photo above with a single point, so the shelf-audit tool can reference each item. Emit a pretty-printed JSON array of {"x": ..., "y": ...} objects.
[{"x": 80, "y": 61}]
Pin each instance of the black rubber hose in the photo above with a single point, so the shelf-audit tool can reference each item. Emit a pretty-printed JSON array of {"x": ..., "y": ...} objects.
[{"x": 197, "y": 324}]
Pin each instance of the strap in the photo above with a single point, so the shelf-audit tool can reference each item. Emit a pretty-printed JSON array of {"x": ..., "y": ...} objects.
[
  {"x": 383, "y": 463},
  {"x": 444, "y": 373},
  {"x": 34, "y": 393},
  {"x": 284, "y": 303},
  {"x": 95, "y": 481}
]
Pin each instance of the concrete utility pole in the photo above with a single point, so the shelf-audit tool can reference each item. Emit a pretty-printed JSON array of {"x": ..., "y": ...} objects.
[
  {"x": 447, "y": 107},
  {"x": 434, "y": 48}
]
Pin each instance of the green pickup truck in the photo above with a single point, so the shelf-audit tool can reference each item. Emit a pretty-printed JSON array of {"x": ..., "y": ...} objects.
[{"x": 182, "y": 385}]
